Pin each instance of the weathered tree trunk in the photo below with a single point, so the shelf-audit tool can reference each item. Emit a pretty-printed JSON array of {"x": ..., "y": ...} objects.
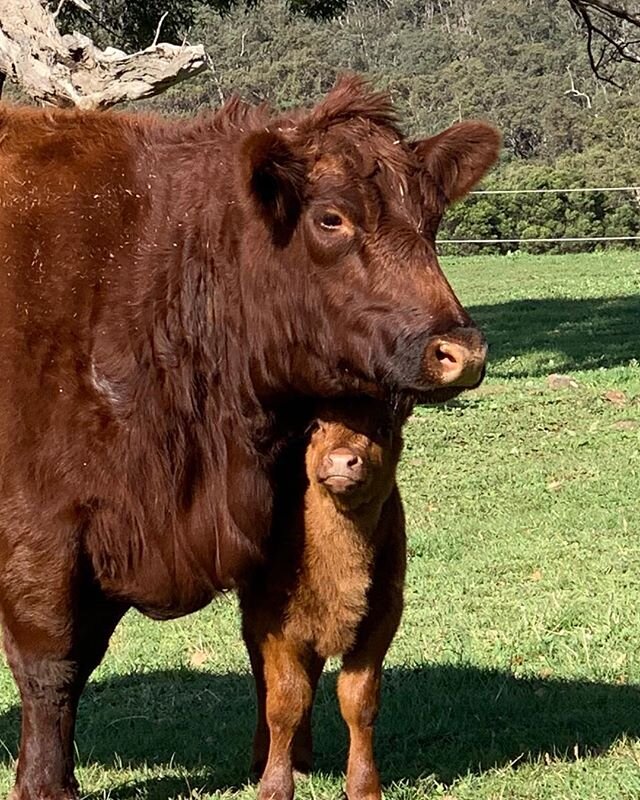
[{"x": 71, "y": 71}]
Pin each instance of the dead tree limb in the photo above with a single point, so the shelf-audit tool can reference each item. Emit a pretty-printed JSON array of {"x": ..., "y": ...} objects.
[
  {"x": 613, "y": 34},
  {"x": 71, "y": 71}
]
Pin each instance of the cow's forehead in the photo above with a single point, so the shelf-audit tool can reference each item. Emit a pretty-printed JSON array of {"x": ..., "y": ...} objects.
[
  {"x": 349, "y": 153},
  {"x": 366, "y": 142},
  {"x": 328, "y": 165}
]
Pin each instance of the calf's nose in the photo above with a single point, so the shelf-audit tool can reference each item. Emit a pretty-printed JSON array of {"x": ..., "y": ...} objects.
[
  {"x": 459, "y": 359},
  {"x": 343, "y": 461}
]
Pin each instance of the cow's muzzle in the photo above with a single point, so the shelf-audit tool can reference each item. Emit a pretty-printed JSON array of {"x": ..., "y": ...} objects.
[
  {"x": 434, "y": 368},
  {"x": 457, "y": 359}
]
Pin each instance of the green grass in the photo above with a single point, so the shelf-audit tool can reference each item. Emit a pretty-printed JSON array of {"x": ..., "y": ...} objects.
[{"x": 516, "y": 672}]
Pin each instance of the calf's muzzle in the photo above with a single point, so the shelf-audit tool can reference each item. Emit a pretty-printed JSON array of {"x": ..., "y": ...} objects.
[{"x": 341, "y": 469}]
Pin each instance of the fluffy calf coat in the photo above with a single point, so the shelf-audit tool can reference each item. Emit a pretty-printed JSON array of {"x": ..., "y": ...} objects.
[{"x": 331, "y": 586}]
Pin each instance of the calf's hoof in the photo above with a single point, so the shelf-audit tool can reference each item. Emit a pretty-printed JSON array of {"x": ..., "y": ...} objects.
[
  {"x": 276, "y": 790},
  {"x": 375, "y": 795},
  {"x": 368, "y": 789}
]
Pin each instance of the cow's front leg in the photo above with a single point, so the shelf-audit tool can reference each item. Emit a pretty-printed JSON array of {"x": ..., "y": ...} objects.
[
  {"x": 56, "y": 628},
  {"x": 49, "y": 692},
  {"x": 51, "y": 679},
  {"x": 260, "y": 749}
]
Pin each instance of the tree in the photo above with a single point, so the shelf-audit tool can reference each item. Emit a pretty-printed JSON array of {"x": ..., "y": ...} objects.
[
  {"x": 611, "y": 26},
  {"x": 66, "y": 67}
]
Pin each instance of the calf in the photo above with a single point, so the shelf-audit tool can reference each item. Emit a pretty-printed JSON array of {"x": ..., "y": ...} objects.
[{"x": 331, "y": 585}]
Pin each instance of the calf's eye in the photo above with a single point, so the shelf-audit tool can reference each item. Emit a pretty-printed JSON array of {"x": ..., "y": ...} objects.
[{"x": 331, "y": 221}]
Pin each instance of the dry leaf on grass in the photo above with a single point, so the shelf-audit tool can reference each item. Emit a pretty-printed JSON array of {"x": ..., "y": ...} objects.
[
  {"x": 615, "y": 397},
  {"x": 199, "y": 658},
  {"x": 556, "y": 381},
  {"x": 626, "y": 425}
]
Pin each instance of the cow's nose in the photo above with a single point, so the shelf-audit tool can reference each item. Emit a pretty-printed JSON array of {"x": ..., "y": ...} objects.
[{"x": 459, "y": 359}]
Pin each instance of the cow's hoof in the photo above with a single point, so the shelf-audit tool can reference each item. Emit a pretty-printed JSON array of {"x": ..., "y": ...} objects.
[{"x": 26, "y": 793}]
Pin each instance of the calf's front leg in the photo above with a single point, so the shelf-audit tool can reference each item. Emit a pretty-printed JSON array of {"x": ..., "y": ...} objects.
[
  {"x": 359, "y": 694},
  {"x": 289, "y": 695}
]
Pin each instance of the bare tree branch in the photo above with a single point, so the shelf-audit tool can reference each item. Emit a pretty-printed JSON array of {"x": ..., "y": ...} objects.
[
  {"x": 575, "y": 91},
  {"x": 613, "y": 35},
  {"x": 159, "y": 28},
  {"x": 71, "y": 71},
  {"x": 79, "y": 3}
]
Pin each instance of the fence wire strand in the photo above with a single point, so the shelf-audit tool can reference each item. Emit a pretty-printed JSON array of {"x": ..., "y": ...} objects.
[{"x": 559, "y": 191}]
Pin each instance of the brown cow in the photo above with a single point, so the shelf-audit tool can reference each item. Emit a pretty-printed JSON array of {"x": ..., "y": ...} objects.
[
  {"x": 169, "y": 292},
  {"x": 331, "y": 585}
]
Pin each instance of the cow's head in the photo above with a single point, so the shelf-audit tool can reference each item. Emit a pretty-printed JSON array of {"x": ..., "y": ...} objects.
[{"x": 349, "y": 211}]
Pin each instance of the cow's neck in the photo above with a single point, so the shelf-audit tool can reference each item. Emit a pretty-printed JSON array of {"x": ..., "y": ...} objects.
[{"x": 170, "y": 363}]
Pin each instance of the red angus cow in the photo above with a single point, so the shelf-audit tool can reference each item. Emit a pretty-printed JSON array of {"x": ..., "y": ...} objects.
[{"x": 168, "y": 290}]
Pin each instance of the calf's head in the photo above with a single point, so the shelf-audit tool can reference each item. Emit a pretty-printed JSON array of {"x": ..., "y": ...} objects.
[
  {"x": 353, "y": 453},
  {"x": 349, "y": 210}
]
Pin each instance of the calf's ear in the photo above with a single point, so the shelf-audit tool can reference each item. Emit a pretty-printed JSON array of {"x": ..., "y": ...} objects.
[
  {"x": 276, "y": 178},
  {"x": 458, "y": 158}
]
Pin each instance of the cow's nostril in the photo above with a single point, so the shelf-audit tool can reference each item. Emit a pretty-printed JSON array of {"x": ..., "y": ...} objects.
[
  {"x": 451, "y": 358},
  {"x": 458, "y": 363},
  {"x": 446, "y": 354},
  {"x": 354, "y": 461}
]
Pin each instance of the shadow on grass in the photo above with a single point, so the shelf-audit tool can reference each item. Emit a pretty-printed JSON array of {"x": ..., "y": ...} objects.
[
  {"x": 586, "y": 333},
  {"x": 436, "y": 720}
]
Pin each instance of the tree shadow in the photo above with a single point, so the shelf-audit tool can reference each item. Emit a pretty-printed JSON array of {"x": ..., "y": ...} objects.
[
  {"x": 586, "y": 333},
  {"x": 439, "y": 720}
]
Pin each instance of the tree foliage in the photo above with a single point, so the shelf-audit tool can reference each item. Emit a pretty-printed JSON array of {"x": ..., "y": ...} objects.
[{"x": 520, "y": 63}]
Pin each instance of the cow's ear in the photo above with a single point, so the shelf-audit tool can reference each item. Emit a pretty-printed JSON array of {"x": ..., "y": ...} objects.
[
  {"x": 276, "y": 180},
  {"x": 457, "y": 158}
]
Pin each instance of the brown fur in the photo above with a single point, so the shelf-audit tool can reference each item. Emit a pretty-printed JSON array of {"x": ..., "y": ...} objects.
[
  {"x": 330, "y": 586},
  {"x": 169, "y": 298}
]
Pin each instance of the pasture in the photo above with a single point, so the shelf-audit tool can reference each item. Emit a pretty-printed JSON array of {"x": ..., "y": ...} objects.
[{"x": 516, "y": 670}]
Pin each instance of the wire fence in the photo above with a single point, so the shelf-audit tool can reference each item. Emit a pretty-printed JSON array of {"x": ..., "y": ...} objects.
[
  {"x": 559, "y": 191},
  {"x": 529, "y": 240}
]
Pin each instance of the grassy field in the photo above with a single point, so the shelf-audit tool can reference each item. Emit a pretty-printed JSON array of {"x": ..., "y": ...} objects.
[{"x": 516, "y": 672}]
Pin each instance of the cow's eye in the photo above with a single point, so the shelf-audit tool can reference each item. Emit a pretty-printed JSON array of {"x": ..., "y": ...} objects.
[{"x": 331, "y": 221}]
